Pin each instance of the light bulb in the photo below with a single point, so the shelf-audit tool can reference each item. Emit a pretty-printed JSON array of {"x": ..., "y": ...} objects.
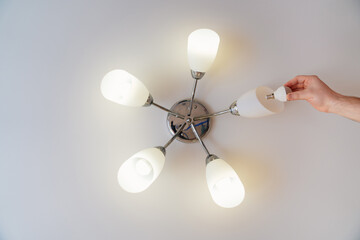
[
  {"x": 280, "y": 94},
  {"x": 202, "y": 49},
  {"x": 143, "y": 167},
  {"x": 121, "y": 87},
  {"x": 253, "y": 104},
  {"x": 224, "y": 185},
  {"x": 138, "y": 172}
]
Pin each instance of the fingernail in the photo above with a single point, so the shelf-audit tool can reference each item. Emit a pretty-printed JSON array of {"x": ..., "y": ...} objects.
[{"x": 289, "y": 96}]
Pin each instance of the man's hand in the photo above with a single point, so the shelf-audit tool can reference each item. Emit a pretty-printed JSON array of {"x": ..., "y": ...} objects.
[
  {"x": 323, "y": 98},
  {"x": 313, "y": 90}
]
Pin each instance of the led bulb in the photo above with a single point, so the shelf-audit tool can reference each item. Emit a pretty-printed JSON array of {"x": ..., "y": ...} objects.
[
  {"x": 224, "y": 185},
  {"x": 138, "y": 172},
  {"x": 121, "y": 87},
  {"x": 280, "y": 94},
  {"x": 143, "y": 167},
  {"x": 202, "y": 49}
]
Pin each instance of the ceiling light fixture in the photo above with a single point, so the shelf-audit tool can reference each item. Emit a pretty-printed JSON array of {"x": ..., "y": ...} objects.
[{"x": 188, "y": 121}]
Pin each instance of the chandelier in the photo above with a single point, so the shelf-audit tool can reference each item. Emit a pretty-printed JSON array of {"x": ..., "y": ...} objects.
[{"x": 188, "y": 121}]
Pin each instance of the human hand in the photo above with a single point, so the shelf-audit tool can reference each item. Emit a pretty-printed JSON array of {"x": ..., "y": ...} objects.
[{"x": 313, "y": 90}]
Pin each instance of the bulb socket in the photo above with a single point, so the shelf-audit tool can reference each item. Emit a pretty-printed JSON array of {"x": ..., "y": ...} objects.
[
  {"x": 234, "y": 109},
  {"x": 149, "y": 101},
  {"x": 197, "y": 75},
  {"x": 162, "y": 149},
  {"x": 210, "y": 158}
]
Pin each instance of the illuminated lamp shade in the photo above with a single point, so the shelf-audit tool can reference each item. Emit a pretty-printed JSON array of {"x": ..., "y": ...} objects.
[
  {"x": 254, "y": 103},
  {"x": 138, "y": 172},
  {"x": 202, "y": 49},
  {"x": 225, "y": 187},
  {"x": 121, "y": 87}
]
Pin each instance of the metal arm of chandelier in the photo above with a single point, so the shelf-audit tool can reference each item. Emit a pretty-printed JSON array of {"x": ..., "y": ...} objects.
[
  {"x": 199, "y": 139},
  {"x": 150, "y": 101},
  {"x": 232, "y": 109},
  {"x": 176, "y": 135},
  {"x": 210, "y": 157}
]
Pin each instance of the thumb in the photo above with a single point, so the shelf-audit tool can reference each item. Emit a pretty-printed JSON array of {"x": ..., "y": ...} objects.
[{"x": 299, "y": 95}]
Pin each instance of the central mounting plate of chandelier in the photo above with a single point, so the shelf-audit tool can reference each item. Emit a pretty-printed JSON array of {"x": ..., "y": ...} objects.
[{"x": 188, "y": 121}]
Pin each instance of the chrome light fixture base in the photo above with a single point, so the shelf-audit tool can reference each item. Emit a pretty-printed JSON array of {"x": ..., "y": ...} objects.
[{"x": 174, "y": 123}]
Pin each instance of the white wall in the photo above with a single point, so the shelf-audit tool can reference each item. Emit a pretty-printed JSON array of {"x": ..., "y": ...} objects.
[{"x": 61, "y": 142}]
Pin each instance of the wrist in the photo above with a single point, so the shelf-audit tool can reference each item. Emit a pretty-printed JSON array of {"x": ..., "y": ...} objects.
[{"x": 336, "y": 102}]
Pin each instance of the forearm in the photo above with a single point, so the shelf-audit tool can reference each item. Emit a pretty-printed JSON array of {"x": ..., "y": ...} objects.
[{"x": 346, "y": 106}]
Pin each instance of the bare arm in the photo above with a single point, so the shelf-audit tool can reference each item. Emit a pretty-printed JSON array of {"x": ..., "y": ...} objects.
[
  {"x": 348, "y": 107},
  {"x": 323, "y": 98}
]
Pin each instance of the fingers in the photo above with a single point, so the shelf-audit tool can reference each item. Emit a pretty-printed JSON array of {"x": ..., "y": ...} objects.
[
  {"x": 298, "y": 87},
  {"x": 295, "y": 81},
  {"x": 299, "y": 95},
  {"x": 301, "y": 87}
]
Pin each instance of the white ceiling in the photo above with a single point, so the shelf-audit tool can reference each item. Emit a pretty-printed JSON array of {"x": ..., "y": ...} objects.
[{"x": 61, "y": 142}]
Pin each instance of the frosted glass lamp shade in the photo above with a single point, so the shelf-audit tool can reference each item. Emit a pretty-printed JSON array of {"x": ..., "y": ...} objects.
[
  {"x": 225, "y": 187},
  {"x": 121, "y": 87},
  {"x": 202, "y": 49},
  {"x": 254, "y": 103},
  {"x": 138, "y": 172}
]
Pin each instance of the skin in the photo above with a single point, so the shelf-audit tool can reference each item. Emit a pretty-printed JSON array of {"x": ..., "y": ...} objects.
[{"x": 323, "y": 98}]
